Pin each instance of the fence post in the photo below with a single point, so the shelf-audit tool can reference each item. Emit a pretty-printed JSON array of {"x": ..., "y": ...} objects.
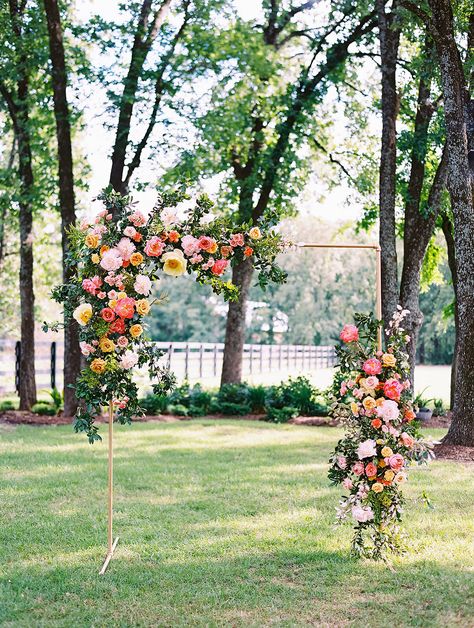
[
  {"x": 17, "y": 365},
  {"x": 251, "y": 359},
  {"x": 215, "y": 360},
  {"x": 200, "y": 360},
  {"x": 53, "y": 365},
  {"x": 170, "y": 353},
  {"x": 270, "y": 358},
  {"x": 261, "y": 358},
  {"x": 186, "y": 363},
  {"x": 279, "y": 357},
  {"x": 288, "y": 357},
  {"x": 303, "y": 351}
]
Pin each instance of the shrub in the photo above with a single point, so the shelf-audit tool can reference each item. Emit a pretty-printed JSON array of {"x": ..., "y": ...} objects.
[
  {"x": 256, "y": 398},
  {"x": 154, "y": 404},
  {"x": 43, "y": 408},
  {"x": 230, "y": 408},
  {"x": 178, "y": 409},
  {"x": 281, "y": 415},
  {"x": 6, "y": 405},
  {"x": 199, "y": 398},
  {"x": 297, "y": 393},
  {"x": 439, "y": 408},
  {"x": 56, "y": 400}
]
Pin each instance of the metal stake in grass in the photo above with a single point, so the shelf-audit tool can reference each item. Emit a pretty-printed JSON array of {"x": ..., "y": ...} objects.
[{"x": 111, "y": 545}]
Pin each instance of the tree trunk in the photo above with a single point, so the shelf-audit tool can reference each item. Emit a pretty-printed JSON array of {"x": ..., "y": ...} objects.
[
  {"x": 235, "y": 326},
  {"x": 389, "y": 36},
  {"x": 461, "y": 431},
  {"x": 72, "y": 353},
  {"x": 447, "y": 228},
  {"x": 19, "y": 111}
]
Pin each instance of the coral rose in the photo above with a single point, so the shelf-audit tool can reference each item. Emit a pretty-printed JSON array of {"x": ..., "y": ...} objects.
[
  {"x": 226, "y": 250},
  {"x": 125, "y": 307},
  {"x": 248, "y": 251},
  {"x": 407, "y": 440},
  {"x": 98, "y": 365},
  {"x": 173, "y": 236},
  {"x": 154, "y": 247},
  {"x": 219, "y": 267},
  {"x": 372, "y": 366},
  {"x": 83, "y": 313},
  {"x": 107, "y": 314},
  {"x": 376, "y": 423},
  {"x": 349, "y": 333},
  {"x": 409, "y": 415},
  {"x": 118, "y": 326},
  {"x": 207, "y": 244},
  {"x": 392, "y": 389},
  {"x": 371, "y": 470}
]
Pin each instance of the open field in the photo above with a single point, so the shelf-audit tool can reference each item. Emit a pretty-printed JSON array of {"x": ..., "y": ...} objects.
[{"x": 221, "y": 523}]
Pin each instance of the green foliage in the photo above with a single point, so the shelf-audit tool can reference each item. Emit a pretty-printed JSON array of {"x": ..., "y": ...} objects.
[
  {"x": 439, "y": 408},
  {"x": 44, "y": 408},
  {"x": 7, "y": 405},
  {"x": 281, "y": 415},
  {"x": 297, "y": 393},
  {"x": 56, "y": 400}
]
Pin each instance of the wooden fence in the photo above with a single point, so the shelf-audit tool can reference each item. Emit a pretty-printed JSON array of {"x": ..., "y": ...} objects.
[{"x": 192, "y": 361}]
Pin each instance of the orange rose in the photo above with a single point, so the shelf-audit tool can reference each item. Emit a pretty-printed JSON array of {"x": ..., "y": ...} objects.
[
  {"x": 104, "y": 248},
  {"x": 173, "y": 236},
  {"x": 248, "y": 251},
  {"x": 136, "y": 259}
]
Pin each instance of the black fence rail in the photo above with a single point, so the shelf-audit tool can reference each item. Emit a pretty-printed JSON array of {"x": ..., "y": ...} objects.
[{"x": 192, "y": 361}]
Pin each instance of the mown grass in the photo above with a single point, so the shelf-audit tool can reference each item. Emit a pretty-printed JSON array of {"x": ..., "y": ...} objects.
[{"x": 220, "y": 523}]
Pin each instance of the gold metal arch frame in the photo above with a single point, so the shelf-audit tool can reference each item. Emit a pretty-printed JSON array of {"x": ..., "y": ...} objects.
[{"x": 111, "y": 543}]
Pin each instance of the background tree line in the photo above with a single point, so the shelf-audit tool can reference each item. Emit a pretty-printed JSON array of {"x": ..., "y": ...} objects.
[{"x": 255, "y": 105}]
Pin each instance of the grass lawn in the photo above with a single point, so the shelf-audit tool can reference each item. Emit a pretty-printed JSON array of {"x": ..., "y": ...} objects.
[{"x": 220, "y": 523}]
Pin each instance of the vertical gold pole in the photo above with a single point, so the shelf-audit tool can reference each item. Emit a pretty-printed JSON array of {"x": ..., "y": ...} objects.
[
  {"x": 378, "y": 297},
  {"x": 111, "y": 544}
]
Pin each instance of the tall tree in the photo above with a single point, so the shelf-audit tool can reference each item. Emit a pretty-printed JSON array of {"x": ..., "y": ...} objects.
[
  {"x": 72, "y": 363},
  {"x": 389, "y": 37},
  {"x": 17, "y": 99},
  {"x": 262, "y": 113},
  {"x": 147, "y": 28},
  {"x": 457, "y": 103}
]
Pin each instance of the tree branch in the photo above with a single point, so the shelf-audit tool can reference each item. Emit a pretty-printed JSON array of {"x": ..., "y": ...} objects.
[{"x": 11, "y": 106}]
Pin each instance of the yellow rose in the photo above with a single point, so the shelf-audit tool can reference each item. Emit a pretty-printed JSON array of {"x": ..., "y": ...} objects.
[
  {"x": 95, "y": 259},
  {"x": 106, "y": 345},
  {"x": 121, "y": 295},
  {"x": 143, "y": 307},
  {"x": 377, "y": 487},
  {"x": 380, "y": 441},
  {"x": 381, "y": 463},
  {"x": 389, "y": 475},
  {"x": 389, "y": 360},
  {"x": 255, "y": 233},
  {"x": 136, "y": 259},
  {"x": 92, "y": 240},
  {"x": 174, "y": 263},
  {"x": 354, "y": 408},
  {"x": 369, "y": 403},
  {"x": 112, "y": 303},
  {"x": 380, "y": 401},
  {"x": 136, "y": 330},
  {"x": 213, "y": 248},
  {"x": 98, "y": 365},
  {"x": 83, "y": 313},
  {"x": 386, "y": 452}
]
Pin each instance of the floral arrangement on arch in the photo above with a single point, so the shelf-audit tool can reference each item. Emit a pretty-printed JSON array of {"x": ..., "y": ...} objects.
[
  {"x": 116, "y": 257},
  {"x": 373, "y": 400}
]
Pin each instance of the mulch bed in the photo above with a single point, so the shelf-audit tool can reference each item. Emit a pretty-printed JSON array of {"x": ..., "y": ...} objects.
[{"x": 445, "y": 452}]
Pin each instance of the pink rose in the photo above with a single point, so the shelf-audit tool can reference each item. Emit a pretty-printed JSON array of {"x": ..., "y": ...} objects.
[
  {"x": 347, "y": 483},
  {"x": 138, "y": 219},
  {"x": 111, "y": 260},
  {"x": 237, "y": 239},
  {"x": 125, "y": 307},
  {"x": 349, "y": 333},
  {"x": 341, "y": 462},
  {"x": 89, "y": 286},
  {"x": 128, "y": 360},
  {"x": 358, "y": 468},
  {"x": 370, "y": 470},
  {"x": 122, "y": 342},
  {"x": 396, "y": 462},
  {"x": 126, "y": 248},
  {"x": 142, "y": 285},
  {"x": 343, "y": 389},
  {"x": 388, "y": 410},
  {"x": 190, "y": 245},
  {"x": 392, "y": 389},
  {"x": 372, "y": 381},
  {"x": 366, "y": 449},
  {"x": 219, "y": 267},
  {"x": 372, "y": 366},
  {"x": 362, "y": 514},
  {"x": 101, "y": 295},
  {"x": 207, "y": 244},
  {"x": 154, "y": 247},
  {"x": 86, "y": 348},
  {"x": 407, "y": 440},
  {"x": 129, "y": 231}
]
